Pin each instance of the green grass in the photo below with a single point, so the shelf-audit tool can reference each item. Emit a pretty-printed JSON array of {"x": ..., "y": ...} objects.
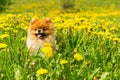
[{"x": 101, "y": 56}]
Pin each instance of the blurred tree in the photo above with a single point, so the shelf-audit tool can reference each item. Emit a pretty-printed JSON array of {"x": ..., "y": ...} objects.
[
  {"x": 4, "y": 4},
  {"x": 67, "y": 4}
]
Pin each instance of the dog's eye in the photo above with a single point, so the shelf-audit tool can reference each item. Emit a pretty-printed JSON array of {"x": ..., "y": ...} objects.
[
  {"x": 44, "y": 28},
  {"x": 35, "y": 29}
]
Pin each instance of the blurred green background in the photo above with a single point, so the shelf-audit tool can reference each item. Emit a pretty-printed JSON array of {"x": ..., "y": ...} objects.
[{"x": 44, "y": 6}]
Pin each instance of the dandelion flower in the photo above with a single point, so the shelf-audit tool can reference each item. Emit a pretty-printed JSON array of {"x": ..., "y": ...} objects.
[
  {"x": 95, "y": 78},
  {"x": 25, "y": 27},
  {"x": 47, "y": 50},
  {"x": 83, "y": 19},
  {"x": 116, "y": 39},
  {"x": 2, "y": 45},
  {"x": 63, "y": 61},
  {"x": 75, "y": 50},
  {"x": 35, "y": 17},
  {"x": 4, "y": 36},
  {"x": 41, "y": 71},
  {"x": 15, "y": 31},
  {"x": 23, "y": 38},
  {"x": 78, "y": 57}
]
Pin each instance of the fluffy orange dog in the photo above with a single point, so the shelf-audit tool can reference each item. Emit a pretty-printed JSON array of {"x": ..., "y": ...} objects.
[{"x": 40, "y": 32}]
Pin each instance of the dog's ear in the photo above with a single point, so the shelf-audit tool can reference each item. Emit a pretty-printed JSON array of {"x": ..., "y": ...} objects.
[
  {"x": 33, "y": 20},
  {"x": 48, "y": 20}
]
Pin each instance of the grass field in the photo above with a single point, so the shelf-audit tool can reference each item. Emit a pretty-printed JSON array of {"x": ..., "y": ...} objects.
[{"x": 87, "y": 41}]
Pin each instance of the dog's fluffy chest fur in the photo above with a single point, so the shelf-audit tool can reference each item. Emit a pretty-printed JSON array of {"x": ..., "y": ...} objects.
[{"x": 33, "y": 45}]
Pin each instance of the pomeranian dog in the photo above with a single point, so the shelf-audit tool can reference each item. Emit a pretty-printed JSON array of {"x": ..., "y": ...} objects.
[{"x": 40, "y": 32}]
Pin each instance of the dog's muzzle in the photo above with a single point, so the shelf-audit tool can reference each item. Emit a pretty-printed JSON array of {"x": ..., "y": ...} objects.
[{"x": 40, "y": 34}]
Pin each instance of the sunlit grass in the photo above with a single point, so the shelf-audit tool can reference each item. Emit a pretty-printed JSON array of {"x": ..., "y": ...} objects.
[{"x": 87, "y": 44}]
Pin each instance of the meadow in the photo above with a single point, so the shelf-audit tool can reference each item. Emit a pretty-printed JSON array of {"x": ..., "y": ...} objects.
[{"x": 87, "y": 41}]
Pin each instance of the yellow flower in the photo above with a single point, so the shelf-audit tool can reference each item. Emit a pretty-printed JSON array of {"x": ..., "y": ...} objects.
[
  {"x": 63, "y": 61},
  {"x": 114, "y": 29},
  {"x": 100, "y": 33},
  {"x": 35, "y": 17},
  {"x": 47, "y": 50},
  {"x": 83, "y": 19},
  {"x": 41, "y": 71},
  {"x": 4, "y": 36},
  {"x": 25, "y": 27},
  {"x": 15, "y": 31},
  {"x": 23, "y": 38},
  {"x": 2, "y": 45},
  {"x": 78, "y": 57},
  {"x": 116, "y": 39},
  {"x": 95, "y": 78},
  {"x": 75, "y": 50}
]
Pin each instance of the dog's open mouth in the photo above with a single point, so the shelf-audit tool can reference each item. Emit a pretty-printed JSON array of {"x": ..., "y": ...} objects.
[{"x": 40, "y": 35}]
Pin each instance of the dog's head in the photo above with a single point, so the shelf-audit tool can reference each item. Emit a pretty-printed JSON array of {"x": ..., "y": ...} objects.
[{"x": 41, "y": 28}]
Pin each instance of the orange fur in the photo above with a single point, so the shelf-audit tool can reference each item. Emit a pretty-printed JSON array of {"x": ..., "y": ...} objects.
[{"x": 40, "y": 32}]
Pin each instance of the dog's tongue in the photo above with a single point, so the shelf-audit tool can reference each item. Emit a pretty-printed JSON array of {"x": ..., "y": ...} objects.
[{"x": 39, "y": 35}]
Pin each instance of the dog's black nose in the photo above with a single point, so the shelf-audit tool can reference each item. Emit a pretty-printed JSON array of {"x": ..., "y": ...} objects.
[{"x": 39, "y": 31}]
